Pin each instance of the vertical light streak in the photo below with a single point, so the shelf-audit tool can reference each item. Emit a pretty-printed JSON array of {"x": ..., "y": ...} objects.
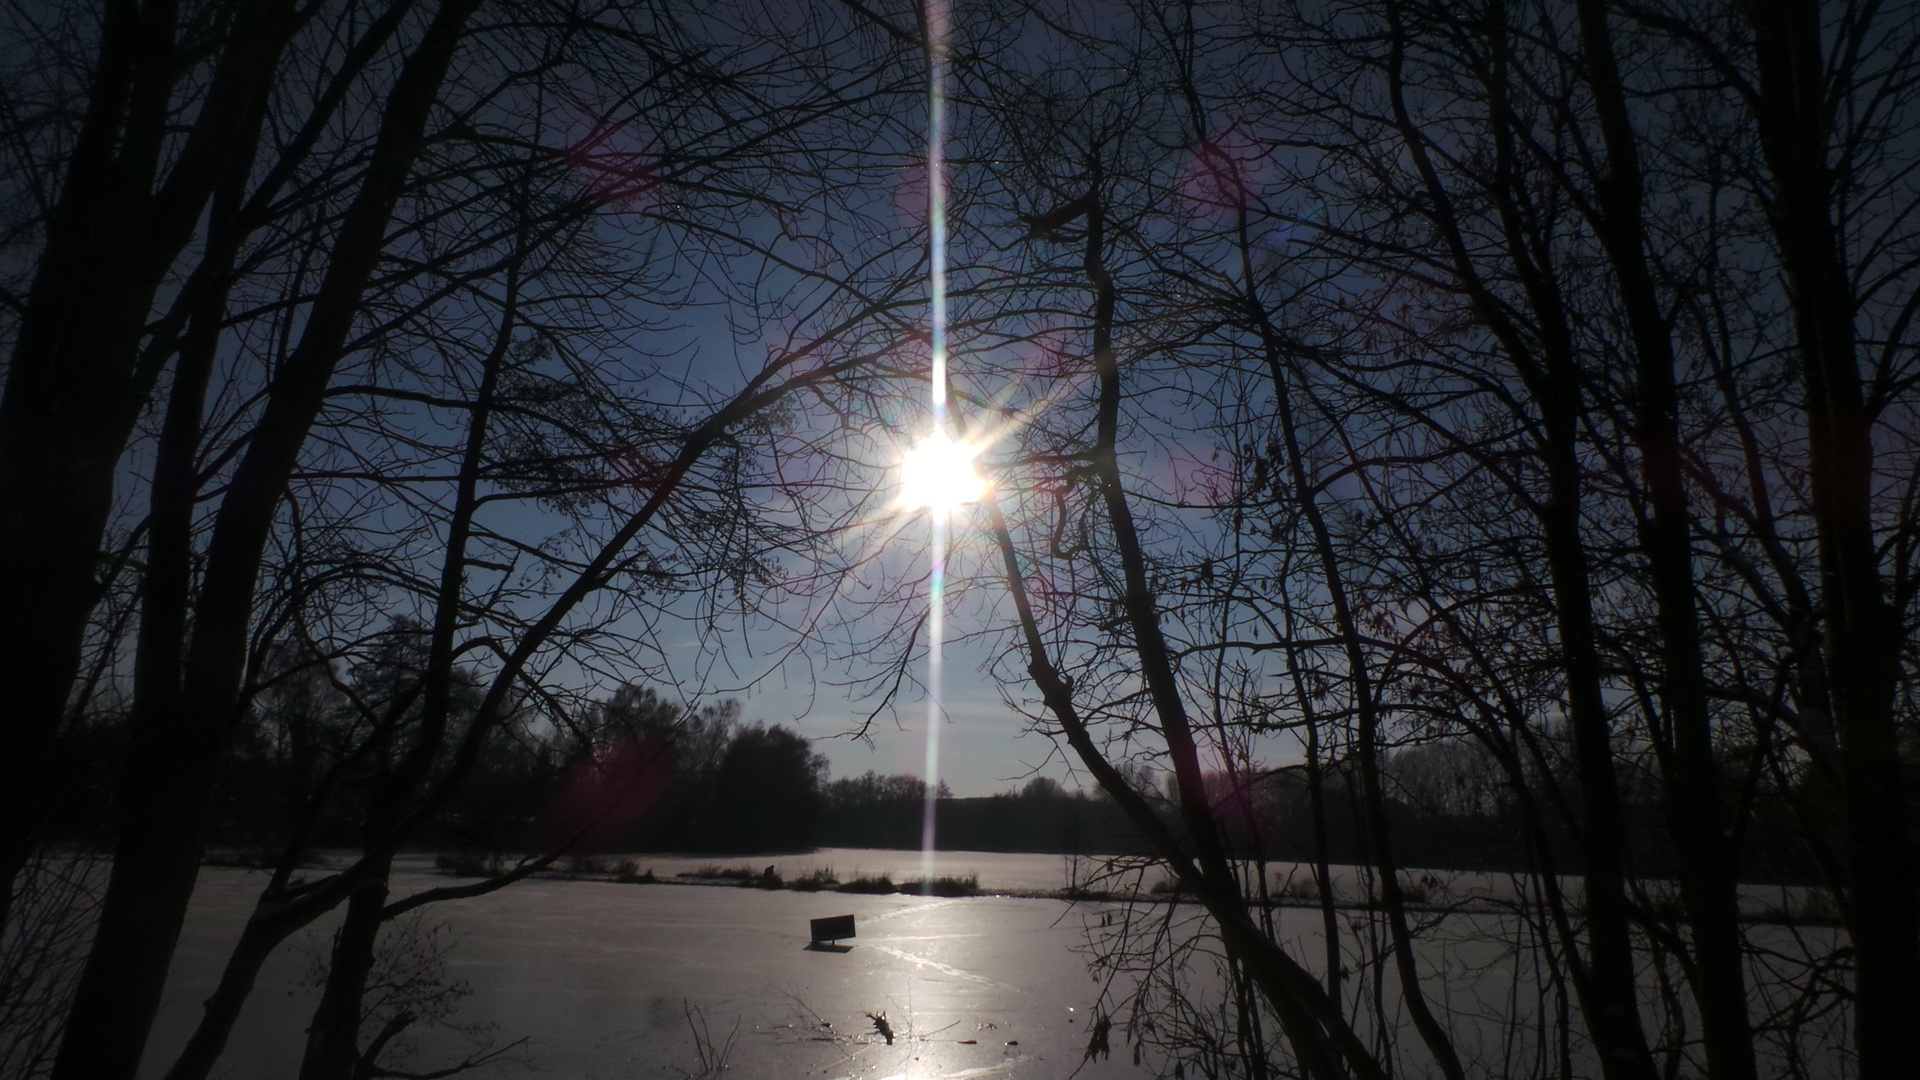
[{"x": 937, "y": 376}]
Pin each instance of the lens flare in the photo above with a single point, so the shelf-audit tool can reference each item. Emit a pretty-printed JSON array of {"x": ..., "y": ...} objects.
[{"x": 936, "y": 473}]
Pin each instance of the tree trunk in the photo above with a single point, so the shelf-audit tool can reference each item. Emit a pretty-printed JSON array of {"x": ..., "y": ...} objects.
[
  {"x": 333, "y": 1041},
  {"x": 272, "y": 923},
  {"x": 1326, "y": 1046},
  {"x": 78, "y": 380},
  {"x": 1322, "y": 870},
  {"x": 1709, "y": 863},
  {"x": 1863, "y": 633},
  {"x": 1323, "y": 1041},
  {"x": 176, "y": 750},
  {"x": 1373, "y": 802},
  {"x": 1608, "y": 994},
  {"x": 62, "y": 428}
]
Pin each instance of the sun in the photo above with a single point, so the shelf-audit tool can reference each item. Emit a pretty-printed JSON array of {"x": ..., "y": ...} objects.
[{"x": 938, "y": 475}]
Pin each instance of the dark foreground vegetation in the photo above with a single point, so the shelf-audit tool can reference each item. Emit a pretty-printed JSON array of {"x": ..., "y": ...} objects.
[{"x": 1420, "y": 433}]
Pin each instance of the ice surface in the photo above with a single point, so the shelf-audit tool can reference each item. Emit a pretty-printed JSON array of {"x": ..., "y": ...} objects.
[{"x": 602, "y": 977}]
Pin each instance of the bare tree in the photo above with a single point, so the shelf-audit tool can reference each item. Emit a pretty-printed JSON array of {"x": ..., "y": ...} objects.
[
  {"x": 133, "y": 187},
  {"x": 1825, "y": 91}
]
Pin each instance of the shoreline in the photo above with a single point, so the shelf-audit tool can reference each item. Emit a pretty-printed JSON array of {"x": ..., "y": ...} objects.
[{"x": 1471, "y": 905}]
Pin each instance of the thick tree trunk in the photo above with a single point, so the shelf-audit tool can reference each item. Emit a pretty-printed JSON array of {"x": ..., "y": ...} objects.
[
  {"x": 160, "y": 766},
  {"x": 1709, "y": 864},
  {"x": 176, "y": 750},
  {"x": 272, "y": 923},
  {"x": 77, "y": 380},
  {"x": 1863, "y": 634},
  {"x": 56, "y": 475},
  {"x": 333, "y": 1040},
  {"x": 62, "y": 428},
  {"x": 1610, "y": 993}
]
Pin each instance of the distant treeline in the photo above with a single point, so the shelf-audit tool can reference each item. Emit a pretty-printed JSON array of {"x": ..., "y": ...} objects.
[
  {"x": 888, "y": 812},
  {"x": 635, "y": 772}
]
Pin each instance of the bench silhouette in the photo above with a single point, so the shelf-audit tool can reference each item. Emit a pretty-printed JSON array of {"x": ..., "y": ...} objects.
[{"x": 831, "y": 929}]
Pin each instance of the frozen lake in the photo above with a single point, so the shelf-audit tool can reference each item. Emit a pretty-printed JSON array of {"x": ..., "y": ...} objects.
[
  {"x": 601, "y": 977},
  {"x": 612, "y": 980}
]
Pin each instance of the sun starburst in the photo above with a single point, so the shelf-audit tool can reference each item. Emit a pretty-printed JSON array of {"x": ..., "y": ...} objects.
[{"x": 938, "y": 475}]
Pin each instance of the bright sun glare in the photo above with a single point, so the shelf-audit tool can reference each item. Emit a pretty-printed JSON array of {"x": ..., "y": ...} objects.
[{"x": 938, "y": 475}]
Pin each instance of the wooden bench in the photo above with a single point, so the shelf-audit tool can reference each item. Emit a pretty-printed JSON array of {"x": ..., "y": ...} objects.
[{"x": 832, "y": 928}]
